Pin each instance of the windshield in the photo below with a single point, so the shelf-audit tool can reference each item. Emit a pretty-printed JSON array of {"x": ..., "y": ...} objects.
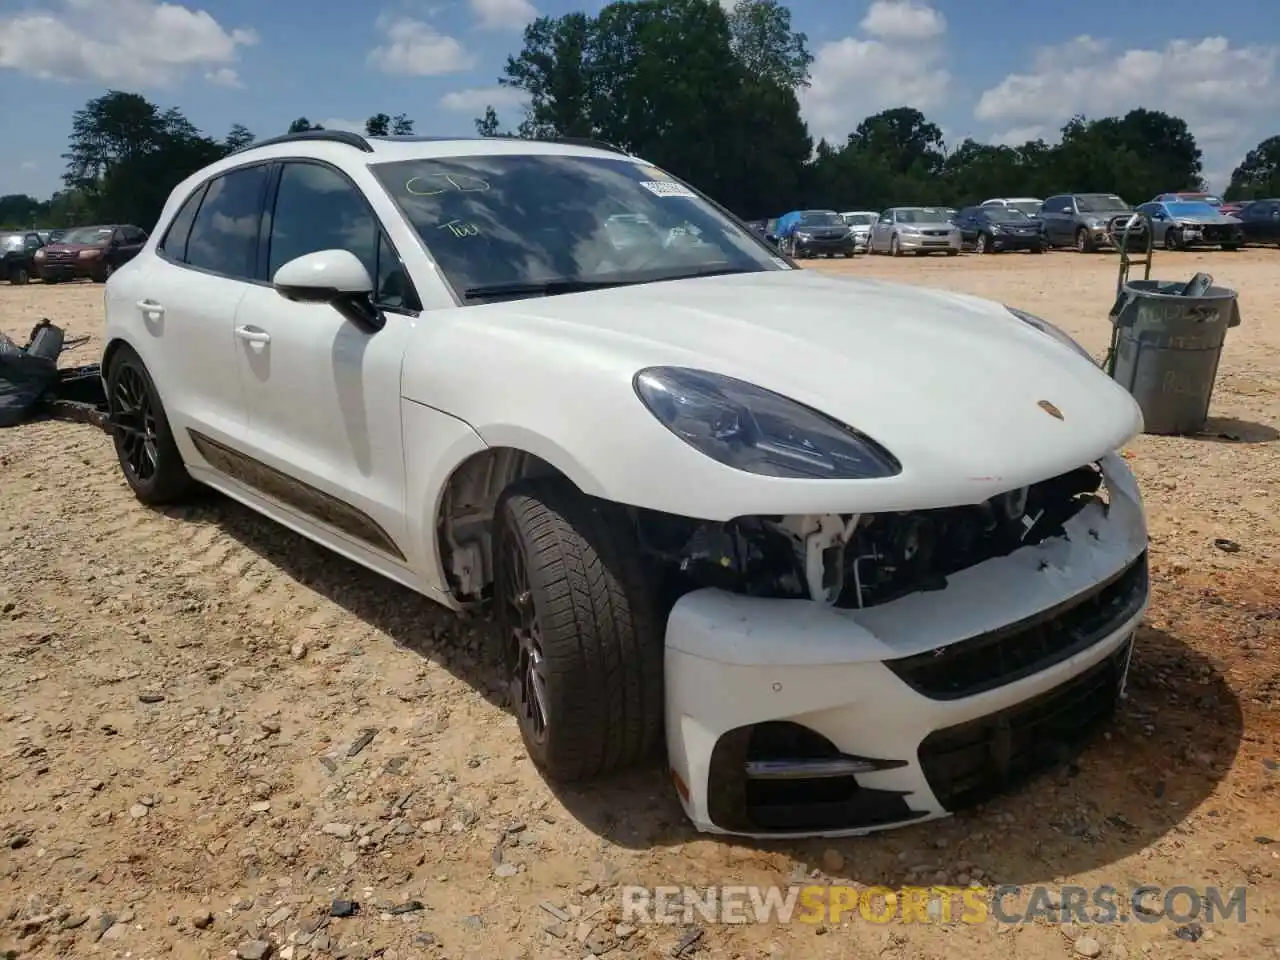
[
  {"x": 538, "y": 219},
  {"x": 858, "y": 219},
  {"x": 820, "y": 218},
  {"x": 1006, "y": 213},
  {"x": 89, "y": 235},
  {"x": 1191, "y": 208},
  {"x": 1100, "y": 203},
  {"x": 1030, "y": 208},
  {"x": 920, "y": 215}
]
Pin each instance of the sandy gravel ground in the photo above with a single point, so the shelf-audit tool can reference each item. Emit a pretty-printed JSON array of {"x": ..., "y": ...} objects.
[{"x": 211, "y": 730}]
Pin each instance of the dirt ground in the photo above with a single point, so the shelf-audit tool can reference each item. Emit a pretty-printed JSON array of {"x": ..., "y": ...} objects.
[{"x": 210, "y": 730}]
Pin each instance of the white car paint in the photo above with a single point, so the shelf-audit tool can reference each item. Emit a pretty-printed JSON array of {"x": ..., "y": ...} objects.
[{"x": 383, "y": 422}]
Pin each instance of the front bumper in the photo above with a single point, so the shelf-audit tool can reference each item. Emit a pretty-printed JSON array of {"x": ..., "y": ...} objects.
[
  {"x": 924, "y": 242},
  {"x": 67, "y": 269},
  {"x": 1018, "y": 241},
  {"x": 950, "y": 696},
  {"x": 1194, "y": 234},
  {"x": 816, "y": 247}
]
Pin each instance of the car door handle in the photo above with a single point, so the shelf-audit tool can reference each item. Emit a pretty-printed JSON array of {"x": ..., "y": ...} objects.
[
  {"x": 253, "y": 334},
  {"x": 150, "y": 306}
]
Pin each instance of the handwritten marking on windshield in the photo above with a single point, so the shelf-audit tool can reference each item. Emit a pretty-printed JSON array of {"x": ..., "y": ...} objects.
[
  {"x": 460, "y": 228},
  {"x": 434, "y": 184}
]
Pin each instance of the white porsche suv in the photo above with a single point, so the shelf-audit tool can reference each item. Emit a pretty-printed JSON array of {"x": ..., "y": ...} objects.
[{"x": 864, "y": 552}]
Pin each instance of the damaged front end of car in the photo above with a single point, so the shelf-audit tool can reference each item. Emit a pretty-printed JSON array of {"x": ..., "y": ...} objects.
[{"x": 837, "y": 674}]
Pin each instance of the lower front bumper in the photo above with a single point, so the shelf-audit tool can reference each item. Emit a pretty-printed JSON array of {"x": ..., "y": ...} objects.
[
  {"x": 928, "y": 245},
  {"x": 1002, "y": 243},
  {"x": 819, "y": 248},
  {"x": 759, "y": 689},
  {"x": 58, "y": 272}
]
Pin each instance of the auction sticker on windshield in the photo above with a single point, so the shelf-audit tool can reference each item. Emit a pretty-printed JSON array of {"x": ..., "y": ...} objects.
[{"x": 666, "y": 188}]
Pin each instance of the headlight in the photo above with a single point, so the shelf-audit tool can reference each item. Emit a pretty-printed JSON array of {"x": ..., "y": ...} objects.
[
  {"x": 89, "y": 254},
  {"x": 907, "y": 229},
  {"x": 1047, "y": 328},
  {"x": 758, "y": 431},
  {"x": 803, "y": 235}
]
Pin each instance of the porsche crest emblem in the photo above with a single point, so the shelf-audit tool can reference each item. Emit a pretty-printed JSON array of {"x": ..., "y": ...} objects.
[{"x": 1050, "y": 409}]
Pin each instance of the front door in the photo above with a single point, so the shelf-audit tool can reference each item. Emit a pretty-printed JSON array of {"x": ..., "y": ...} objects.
[{"x": 323, "y": 395}]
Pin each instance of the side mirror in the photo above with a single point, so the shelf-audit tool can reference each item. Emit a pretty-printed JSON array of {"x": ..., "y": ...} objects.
[{"x": 335, "y": 277}]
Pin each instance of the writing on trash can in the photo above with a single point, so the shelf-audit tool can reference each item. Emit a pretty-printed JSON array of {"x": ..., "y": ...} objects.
[{"x": 1181, "y": 383}]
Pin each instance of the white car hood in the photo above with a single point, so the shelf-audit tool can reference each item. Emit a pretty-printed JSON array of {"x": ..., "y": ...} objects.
[{"x": 952, "y": 385}]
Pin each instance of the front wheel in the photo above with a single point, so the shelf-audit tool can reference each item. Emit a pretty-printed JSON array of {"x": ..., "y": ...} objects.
[
  {"x": 19, "y": 276},
  {"x": 582, "y": 639},
  {"x": 894, "y": 249},
  {"x": 1083, "y": 242},
  {"x": 1173, "y": 240},
  {"x": 149, "y": 457},
  {"x": 982, "y": 244}
]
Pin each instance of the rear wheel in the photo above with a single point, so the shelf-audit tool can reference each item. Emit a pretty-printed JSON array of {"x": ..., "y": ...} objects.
[
  {"x": 19, "y": 276},
  {"x": 149, "y": 457},
  {"x": 581, "y": 635}
]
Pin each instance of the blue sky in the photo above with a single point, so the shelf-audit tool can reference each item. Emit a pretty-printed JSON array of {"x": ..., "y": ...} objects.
[{"x": 999, "y": 70}]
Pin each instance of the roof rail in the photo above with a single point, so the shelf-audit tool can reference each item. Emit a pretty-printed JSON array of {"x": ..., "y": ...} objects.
[
  {"x": 334, "y": 136},
  {"x": 588, "y": 142}
]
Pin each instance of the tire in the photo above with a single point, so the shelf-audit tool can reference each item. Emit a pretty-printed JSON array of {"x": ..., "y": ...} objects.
[
  {"x": 19, "y": 276},
  {"x": 894, "y": 249},
  {"x": 1038, "y": 249},
  {"x": 1083, "y": 242},
  {"x": 1173, "y": 240},
  {"x": 953, "y": 253},
  {"x": 149, "y": 458},
  {"x": 982, "y": 244},
  {"x": 570, "y": 585},
  {"x": 1231, "y": 247}
]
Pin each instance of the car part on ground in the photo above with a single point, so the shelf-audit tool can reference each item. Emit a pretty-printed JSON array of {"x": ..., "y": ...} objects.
[
  {"x": 1167, "y": 340},
  {"x": 750, "y": 444},
  {"x": 29, "y": 375},
  {"x": 92, "y": 253}
]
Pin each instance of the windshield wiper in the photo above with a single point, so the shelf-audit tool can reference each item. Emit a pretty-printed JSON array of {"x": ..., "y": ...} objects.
[{"x": 548, "y": 288}]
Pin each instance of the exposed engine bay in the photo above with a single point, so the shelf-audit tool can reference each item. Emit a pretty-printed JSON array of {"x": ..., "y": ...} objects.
[{"x": 858, "y": 561}]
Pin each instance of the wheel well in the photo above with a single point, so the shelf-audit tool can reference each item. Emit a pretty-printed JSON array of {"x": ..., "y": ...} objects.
[
  {"x": 110, "y": 352},
  {"x": 464, "y": 521}
]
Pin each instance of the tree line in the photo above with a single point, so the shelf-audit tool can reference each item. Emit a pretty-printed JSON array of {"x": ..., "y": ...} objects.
[{"x": 708, "y": 95}]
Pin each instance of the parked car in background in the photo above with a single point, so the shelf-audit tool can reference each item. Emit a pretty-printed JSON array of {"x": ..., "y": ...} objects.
[
  {"x": 1260, "y": 221},
  {"x": 995, "y": 229},
  {"x": 90, "y": 252},
  {"x": 1178, "y": 224},
  {"x": 860, "y": 222},
  {"x": 900, "y": 230},
  {"x": 18, "y": 249},
  {"x": 1026, "y": 205},
  {"x": 1233, "y": 207},
  {"x": 815, "y": 233},
  {"x": 1090, "y": 221}
]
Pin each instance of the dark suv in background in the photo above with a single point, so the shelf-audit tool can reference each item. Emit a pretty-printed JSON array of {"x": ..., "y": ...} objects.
[
  {"x": 1090, "y": 221},
  {"x": 90, "y": 252},
  {"x": 997, "y": 229},
  {"x": 18, "y": 250}
]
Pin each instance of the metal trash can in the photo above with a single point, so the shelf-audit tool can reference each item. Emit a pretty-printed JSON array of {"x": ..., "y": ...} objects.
[{"x": 1165, "y": 349}]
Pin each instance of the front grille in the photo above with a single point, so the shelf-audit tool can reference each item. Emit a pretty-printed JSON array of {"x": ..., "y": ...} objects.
[
  {"x": 742, "y": 804},
  {"x": 972, "y": 762},
  {"x": 1011, "y": 653},
  {"x": 936, "y": 233}
]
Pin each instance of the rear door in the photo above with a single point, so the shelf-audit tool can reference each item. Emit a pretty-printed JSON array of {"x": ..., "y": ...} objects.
[{"x": 1057, "y": 216}]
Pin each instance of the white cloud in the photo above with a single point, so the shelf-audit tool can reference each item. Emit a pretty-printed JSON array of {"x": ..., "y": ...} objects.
[
  {"x": 224, "y": 77},
  {"x": 903, "y": 20},
  {"x": 138, "y": 43},
  {"x": 1227, "y": 94},
  {"x": 503, "y": 14},
  {"x": 903, "y": 65},
  {"x": 475, "y": 99},
  {"x": 338, "y": 123},
  {"x": 28, "y": 165},
  {"x": 417, "y": 49}
]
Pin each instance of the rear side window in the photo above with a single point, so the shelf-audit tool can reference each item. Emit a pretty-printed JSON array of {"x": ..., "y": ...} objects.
[
  {"x": 224, "y": 235},
  {"x": 174, "y": 244}
]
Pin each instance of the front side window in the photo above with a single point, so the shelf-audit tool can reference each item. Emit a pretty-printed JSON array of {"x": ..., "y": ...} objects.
[
  {"x": 528, "y": 225},
  {"x": 317, "y": 208},
  {"x": 224, "y": 236}
]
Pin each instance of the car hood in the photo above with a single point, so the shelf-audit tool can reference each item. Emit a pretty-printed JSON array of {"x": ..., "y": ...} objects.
[
  {"x": 956, "y": 387},
  {"x": 1209, "y": 219},
  {"x": 71, "y": 247}
]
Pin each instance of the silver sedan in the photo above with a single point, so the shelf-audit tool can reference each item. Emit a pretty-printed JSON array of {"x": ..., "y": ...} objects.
[{"x": 915, "y": 230}]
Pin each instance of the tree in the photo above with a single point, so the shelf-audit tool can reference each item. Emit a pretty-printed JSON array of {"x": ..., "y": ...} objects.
[
  {"x": 19, "y": 211},
  {"x": 487, "y": 126},
  {"x": 126, "y": 155},
  {"x": 766, "y": 46},
  {"x": 302, "y": 125},
  {"x": 379, "y": 125},
  {"x": 1258, "y": 175},
  {"x": 401, "y": 126},
  {"x": 238, "y": 137}
]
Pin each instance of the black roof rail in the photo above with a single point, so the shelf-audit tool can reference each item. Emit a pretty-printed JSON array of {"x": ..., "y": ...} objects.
[
  {"x": 588, "y": 142},
  {"x": 333, "y": 136}
]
